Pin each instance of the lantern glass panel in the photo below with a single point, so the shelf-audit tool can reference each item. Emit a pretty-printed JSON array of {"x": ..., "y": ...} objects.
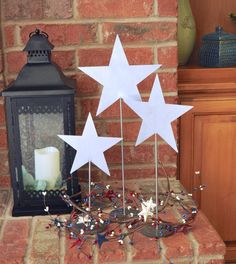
[{"x": 42, "y": 151}]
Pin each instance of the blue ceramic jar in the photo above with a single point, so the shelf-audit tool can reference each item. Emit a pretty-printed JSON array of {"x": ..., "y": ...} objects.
[{"x": 218, "y": 49}]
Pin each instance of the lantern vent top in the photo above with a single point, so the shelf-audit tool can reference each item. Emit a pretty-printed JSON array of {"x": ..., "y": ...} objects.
[{"x": 38, "y": 47}]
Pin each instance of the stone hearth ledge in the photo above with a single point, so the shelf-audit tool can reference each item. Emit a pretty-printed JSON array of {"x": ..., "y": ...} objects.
[{"x": 26, "y": 240}]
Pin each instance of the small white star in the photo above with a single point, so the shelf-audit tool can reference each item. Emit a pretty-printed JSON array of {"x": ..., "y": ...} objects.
[
  {"x": 147, "y": 208},
  {"x": 90, "y": 147},
  {"x": 83, "y": 219},
  {"x": 150, "y": 204}
]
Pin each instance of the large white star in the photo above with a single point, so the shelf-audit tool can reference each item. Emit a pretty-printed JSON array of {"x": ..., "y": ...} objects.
[
  {"x": 157, "y": 116},
  {"x": 119, "y": 79},
  {"x": 90, "y": 147}
]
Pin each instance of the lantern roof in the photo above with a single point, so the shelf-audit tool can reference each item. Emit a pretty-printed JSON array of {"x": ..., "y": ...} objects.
[
  {"x": 39, "y": 76},
  {"x": 38, "y": 40}
]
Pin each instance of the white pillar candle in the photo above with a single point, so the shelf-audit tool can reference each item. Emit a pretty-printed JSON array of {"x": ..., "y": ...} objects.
[{"x": 47, "y": 165}]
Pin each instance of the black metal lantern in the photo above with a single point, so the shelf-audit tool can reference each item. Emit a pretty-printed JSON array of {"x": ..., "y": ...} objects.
[{"x": 40, "y": 106}]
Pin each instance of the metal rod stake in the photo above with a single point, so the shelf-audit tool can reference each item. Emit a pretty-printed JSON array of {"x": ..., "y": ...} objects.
[
  {"x": 156, "y": 176},
  {"x": 122, "y": 155},
  {"x": 89, "y": 185}
]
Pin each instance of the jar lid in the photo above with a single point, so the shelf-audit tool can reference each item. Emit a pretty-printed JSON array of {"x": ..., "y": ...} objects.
[{"x": 218, "y": 35}]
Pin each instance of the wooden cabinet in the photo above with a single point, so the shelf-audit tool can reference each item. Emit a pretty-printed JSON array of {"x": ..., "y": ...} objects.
[{"x": 208, "y": 146}]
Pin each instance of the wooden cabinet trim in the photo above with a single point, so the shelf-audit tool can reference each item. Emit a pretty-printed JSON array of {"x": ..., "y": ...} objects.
[{"x": 206, "y": 82}]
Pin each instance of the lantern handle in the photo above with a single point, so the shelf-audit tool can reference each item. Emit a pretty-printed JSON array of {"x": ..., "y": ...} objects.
[{"x": 37, "y": 32}]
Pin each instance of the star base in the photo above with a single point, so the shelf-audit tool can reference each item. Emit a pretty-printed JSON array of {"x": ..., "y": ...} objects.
[
  {"x": 87, "y": 231},
  {"x": 118, "y": 215},
  {"x": 101, "y": 204},
  {"x": 163, "y": 230}
]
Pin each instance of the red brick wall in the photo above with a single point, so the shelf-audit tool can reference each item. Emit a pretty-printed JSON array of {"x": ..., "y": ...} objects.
[{"x": 83, "y": 32}]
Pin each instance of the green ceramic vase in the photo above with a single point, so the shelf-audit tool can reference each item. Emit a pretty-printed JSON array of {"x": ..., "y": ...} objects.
[{"x": 186, "y": 31}]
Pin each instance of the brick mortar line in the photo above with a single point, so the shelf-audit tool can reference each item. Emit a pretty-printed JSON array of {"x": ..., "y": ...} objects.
[
  {"x": 30, "y": 241},
  {"x": 138, "y": 165},
  {"x": 2, "y": 36},
  {"x": 138, "y": 183},
  {"x": 163, "y": 251},
  {"x": 134, "y": 181},
  {"x": 82, "y": 21},
  {"x": 148, "y": 143},
  {"x": 210, "y": 257},
  {"x": 3, "y": 126},
  {"x": 69, "y": 73},
  {"x": 143, "y": 94},
  {"x": 101, "y": 45},
  {"x": 4, "y": 60},
  {"x": 127, "y": 166},
  {"x": 62, "y": 245},
  {"x": 160, "y": 70},
  {"x": 75, "y": 13},
  {"x": 133, "y": 166},
  {"x": 110, "y": 120},
  {"x": 193, "y": 242},
  {"x": 195, "y": 246},
  {"x": 5, "y": 175},
  {"x": 129, "y": 251},
  {"x": 10, "y": 217},
  {"x": 171, "y": 93},
  {"x": 95, "y": 250},
  {"x": 75, "y": 56},
  {"x": 143, "y": 165},
  {"x": 122, "y": 262},
  {"x": 17, "y": 36},
  {"x": 73, "y": 72},
  {"x": 182, "y": 260},
  {"x": 155, "y": 55},
  {"x": 100, "y": 34},
  {"x": 155, "y": 261},
  {"x": 127, "y": 246},
  {"x": 4, "y": 221},
  {"x": 5, "y": 64},
  {"x": 155, "y": 7},
  {"x": 8, "y": 211},
  {"x": 3, "y": 151}
]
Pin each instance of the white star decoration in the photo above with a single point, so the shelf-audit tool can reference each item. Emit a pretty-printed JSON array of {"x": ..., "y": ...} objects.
[
  {"x": 119, "y": 79},
  {"x": 147, "y": 208},
  {"x": 157, "y": 116},
  {"x": 83, "y": 219},
  {"x": 90, "y": 147},
  {"x": 150, "y": 204}
]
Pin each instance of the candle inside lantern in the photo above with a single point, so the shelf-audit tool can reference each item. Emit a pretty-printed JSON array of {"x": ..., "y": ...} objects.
[{"x": 47, "y": 165}]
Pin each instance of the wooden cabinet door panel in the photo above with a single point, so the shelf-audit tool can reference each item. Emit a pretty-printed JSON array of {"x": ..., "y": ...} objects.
[{"x": 215, "y": 158}]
